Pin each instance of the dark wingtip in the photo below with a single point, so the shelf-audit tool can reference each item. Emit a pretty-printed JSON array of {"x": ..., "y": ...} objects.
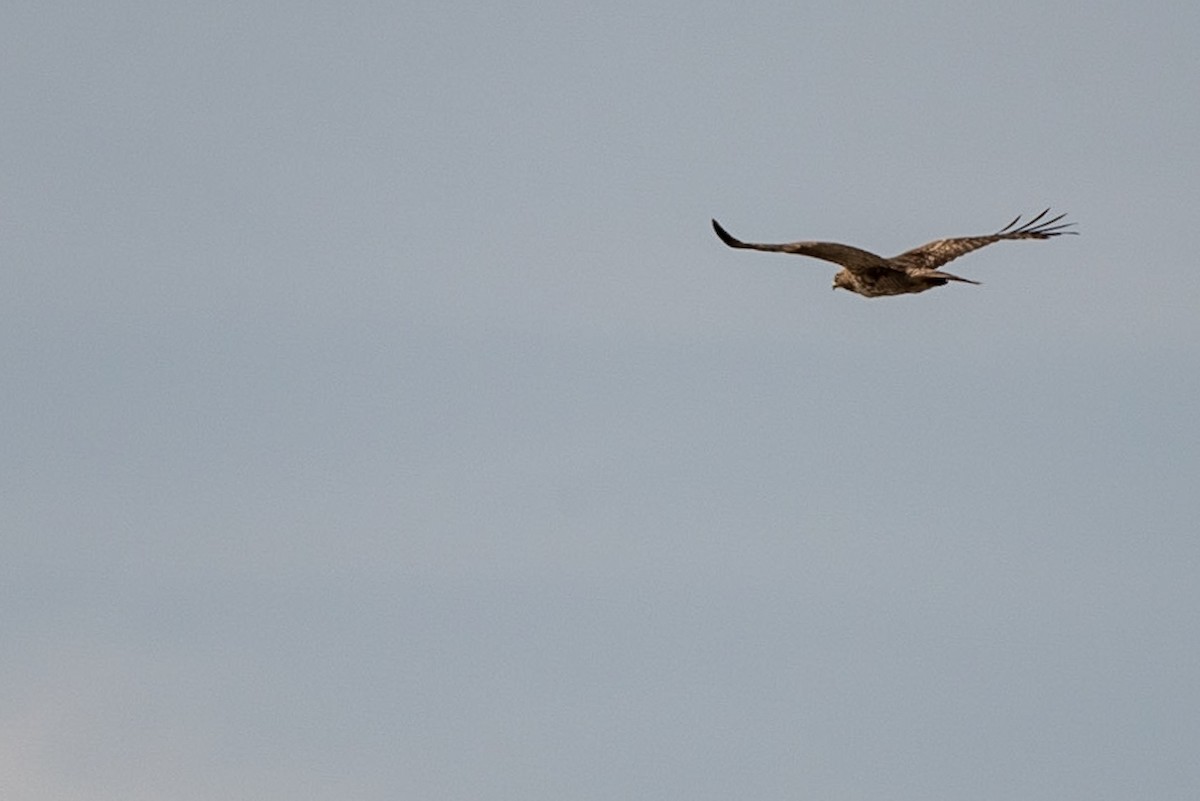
[
  {"x": 724, "y": 236},
  {"x": 1006, "y": 228},
  {"x": 1037, "y": 228}
]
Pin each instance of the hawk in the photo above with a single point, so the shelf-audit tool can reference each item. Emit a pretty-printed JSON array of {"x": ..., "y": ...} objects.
[{"x": 910, "y": 272}]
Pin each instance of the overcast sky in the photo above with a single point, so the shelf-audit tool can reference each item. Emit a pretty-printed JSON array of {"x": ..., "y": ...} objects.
[{"x": 382, "y": 420}]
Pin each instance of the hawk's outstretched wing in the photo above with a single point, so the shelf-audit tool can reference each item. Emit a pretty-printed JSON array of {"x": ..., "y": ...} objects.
[
  {"x": 934, "y": 254},
  {"x": 851, "y": 258}
]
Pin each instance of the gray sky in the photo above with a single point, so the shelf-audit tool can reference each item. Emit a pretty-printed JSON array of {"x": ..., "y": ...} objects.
[{"x": 382, "y": 419}]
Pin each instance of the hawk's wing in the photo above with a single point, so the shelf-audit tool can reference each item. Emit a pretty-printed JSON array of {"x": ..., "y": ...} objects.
[
  {"x": 932, "y": 255},
  {"x": 849, "y": 257}
]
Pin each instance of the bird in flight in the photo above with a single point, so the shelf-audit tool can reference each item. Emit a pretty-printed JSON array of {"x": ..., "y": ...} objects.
[{"x": 913, "y": 271}]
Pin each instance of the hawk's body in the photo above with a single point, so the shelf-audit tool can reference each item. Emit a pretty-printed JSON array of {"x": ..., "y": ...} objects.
[{"x": 913, "y": 271}]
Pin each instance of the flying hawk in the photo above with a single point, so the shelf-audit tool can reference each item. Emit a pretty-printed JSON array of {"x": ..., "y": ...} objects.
[{"x": 914, "y": 271}]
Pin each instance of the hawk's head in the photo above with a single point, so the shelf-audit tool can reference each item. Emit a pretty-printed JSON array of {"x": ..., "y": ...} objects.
[{"x": 843, "y": 280}]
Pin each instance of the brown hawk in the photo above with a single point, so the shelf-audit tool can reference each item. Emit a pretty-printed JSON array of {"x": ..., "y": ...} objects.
[{"x": 913, "y": 271}]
